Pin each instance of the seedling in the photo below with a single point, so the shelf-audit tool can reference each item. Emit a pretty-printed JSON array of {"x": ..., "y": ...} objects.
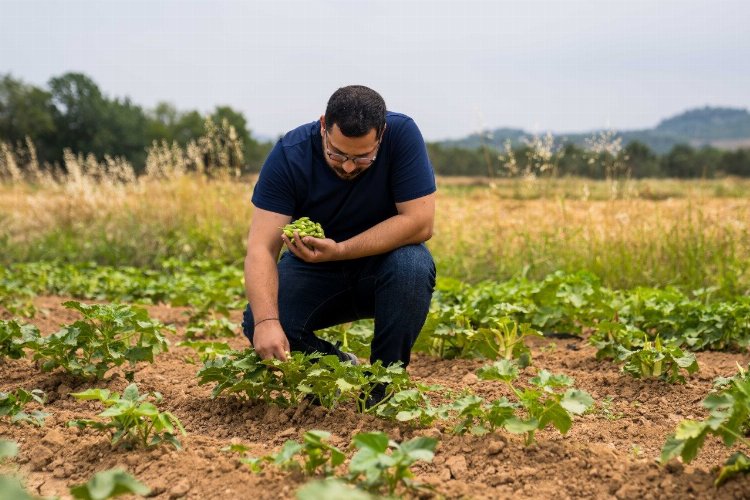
[
  {"x": 318, "y": 457},
  {"x": 108, "y": 336},
  {"x": 506, "y": 341},
  {"x": 375, "y": 469},
  {"x": 543, "y": 403},
  {"x": 12, "y": 405},
  {"x": 729, "y": 419},
  {"x": 656, "y": 360},
  {"x": 131, "y": 419}
]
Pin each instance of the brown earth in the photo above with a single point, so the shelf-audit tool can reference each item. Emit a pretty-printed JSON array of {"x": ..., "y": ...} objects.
[{"x": 610, "y": 452}]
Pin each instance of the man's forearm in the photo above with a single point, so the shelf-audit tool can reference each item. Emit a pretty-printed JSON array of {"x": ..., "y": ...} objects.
[
  {"x": 392, "y": 233},
  {"x": 262, "y": 284}
]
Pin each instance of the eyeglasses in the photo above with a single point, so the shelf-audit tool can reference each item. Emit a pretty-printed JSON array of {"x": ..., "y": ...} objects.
[{"x": 360, "y": 161}]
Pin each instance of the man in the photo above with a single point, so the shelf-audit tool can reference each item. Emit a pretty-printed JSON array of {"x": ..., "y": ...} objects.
[{"x": 364, "y": 175}]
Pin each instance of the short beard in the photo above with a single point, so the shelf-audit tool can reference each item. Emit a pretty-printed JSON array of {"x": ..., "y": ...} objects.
[{"x": 341, "y": 173}]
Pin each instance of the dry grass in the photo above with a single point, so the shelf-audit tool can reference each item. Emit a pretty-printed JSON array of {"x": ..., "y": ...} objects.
[{"x": 480, "y": 232}]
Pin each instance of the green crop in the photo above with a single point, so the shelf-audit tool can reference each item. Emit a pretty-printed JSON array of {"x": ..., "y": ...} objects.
[
  {"x": 108, "y": 336},
  {"x": 206, "y": 350},
  {"x": 12, "y": 486},
  {"x": 729, "y": 419},
  {"x": 318, "y": 457},
  {"x": 210, "y": 329},
  {"x": 374, "y": 468},
  {"x": 380, "y": 464},
  {"x": 12, "y": 405},
  {"x": 131, "y": 419},
  {"x": 14, "y": 337},
  {"x": 326, "y": 379},
  {"x": 305, "y": 227},
  {"x": 505, "y": 340},
  {"x": 656, "y": 360},
  {"x": 544, "y": 403},
  {"x": 332, "y": 489},
  {"x": 109, "y": 484}
]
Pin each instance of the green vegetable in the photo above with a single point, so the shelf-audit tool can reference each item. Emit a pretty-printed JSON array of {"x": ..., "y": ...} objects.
[{"x": 305, "y": 227}]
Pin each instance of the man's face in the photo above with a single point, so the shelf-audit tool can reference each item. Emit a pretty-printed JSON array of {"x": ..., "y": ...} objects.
[{"x": 348, "y": 156}]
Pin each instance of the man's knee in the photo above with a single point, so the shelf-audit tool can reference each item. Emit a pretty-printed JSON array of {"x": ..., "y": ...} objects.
[{"x": 412, "y": 265}]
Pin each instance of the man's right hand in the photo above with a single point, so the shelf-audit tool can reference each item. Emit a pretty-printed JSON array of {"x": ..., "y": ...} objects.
[{"x": 269, "y": 341}]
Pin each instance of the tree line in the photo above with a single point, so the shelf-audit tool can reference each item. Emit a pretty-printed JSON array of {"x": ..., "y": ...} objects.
[
  {"x": 73, "y": 112},
  {"x": 635, "y": 160}
]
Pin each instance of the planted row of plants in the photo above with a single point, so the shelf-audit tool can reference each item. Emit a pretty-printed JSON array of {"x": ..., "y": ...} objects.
[
  {"x": 565, "y": 303},
  {"x": 380, "y": 464},
  {"x": 108, "y": 336},
  {"x": 561, "y": 303},
  {"x": 209, "y": 287},
  {"x": 547, "y": 400}
]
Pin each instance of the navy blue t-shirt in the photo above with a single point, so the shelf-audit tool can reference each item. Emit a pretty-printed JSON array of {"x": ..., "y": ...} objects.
[{"x": 296, "y": 180}]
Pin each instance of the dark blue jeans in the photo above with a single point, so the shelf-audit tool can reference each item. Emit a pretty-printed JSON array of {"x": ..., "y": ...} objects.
[{"x": 394, "y": 288}]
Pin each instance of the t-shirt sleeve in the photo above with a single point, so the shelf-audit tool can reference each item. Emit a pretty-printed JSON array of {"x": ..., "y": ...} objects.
[
  {"x": 413, "y": 175},
  {"x": 274, "y": 190}
]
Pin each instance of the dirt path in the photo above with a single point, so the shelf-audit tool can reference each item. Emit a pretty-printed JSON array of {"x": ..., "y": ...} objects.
[{"x": 609, "y": 452}]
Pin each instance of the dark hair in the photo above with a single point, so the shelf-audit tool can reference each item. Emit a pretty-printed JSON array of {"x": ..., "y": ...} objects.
[{"x": 356, "y": 109}]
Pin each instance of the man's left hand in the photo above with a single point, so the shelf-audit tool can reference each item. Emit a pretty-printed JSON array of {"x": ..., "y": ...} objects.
[{"x": 312, "y": 249}]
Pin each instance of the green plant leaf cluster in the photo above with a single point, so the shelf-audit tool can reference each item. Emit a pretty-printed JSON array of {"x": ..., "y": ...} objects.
[
  {"x": 355, "y": 337},
  {"x": 206, "y": 350},
  {"x": 548, "y": 400},
  {"x": 108, "y": 336},
  {"x": 729, "y": 419},
  {"x": 332, "y": 489},
  {"x": 14, "y": 337},
  {"x": 656, "y": 360},
  {"x": 317, "y": 456},
  {"x": 16, "y": 296},
  {"x": 210, "y": 287},
  {"x": 12, "y": 405},
  {"x": 326, "y": 379},
  {"x": 109, "y": 484},
  {"x": 380, "y": 464},
  {"x": 642, "y": 356},
  {"x": 214, "y": 328},
  {"x": 131, "y": 419},
  {"x": 383, "y": 464}
]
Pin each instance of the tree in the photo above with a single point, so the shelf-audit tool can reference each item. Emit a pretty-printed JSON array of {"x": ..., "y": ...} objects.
[
  {"x": 79, "y": 113},
  {"x": 736, "y": 163},
  {"x": 27, "y": 111},
  {"x": 641, "y": 160}
]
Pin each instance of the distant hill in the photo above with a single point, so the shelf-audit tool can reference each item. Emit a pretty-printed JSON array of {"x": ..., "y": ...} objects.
[{"x": 724, "y": 128}]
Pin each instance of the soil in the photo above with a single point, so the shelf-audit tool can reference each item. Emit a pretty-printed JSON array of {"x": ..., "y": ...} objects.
[{"x": 610, "y": 452}]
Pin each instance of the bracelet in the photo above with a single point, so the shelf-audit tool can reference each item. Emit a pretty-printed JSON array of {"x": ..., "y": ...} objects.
[{"x": 261, "y": 321}]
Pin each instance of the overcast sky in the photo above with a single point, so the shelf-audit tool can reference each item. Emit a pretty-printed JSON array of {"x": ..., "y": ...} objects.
[{"x": 454, "y": 66}]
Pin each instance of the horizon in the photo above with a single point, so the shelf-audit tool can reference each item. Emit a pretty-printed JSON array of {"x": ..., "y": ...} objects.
[{"x": 565, "y": 67}]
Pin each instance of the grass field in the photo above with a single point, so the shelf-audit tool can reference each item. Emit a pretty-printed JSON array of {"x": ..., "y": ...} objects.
[{"x": 689, "y": 234}]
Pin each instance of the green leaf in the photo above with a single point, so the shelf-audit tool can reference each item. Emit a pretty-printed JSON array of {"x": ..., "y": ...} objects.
[
  {"x": 108, "y": 484},
  {"x": 98, "y": 394},
  {"x": 375, "y": 441},
  {"x": 518, "y": 426},
  {"x": 576, "y": 401},
  {"x": 8, "y": 449},
  {"x": 331, "y": 489},
  {"x": 131, "y": 393},
  {"x": 738, "y": 463}
]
